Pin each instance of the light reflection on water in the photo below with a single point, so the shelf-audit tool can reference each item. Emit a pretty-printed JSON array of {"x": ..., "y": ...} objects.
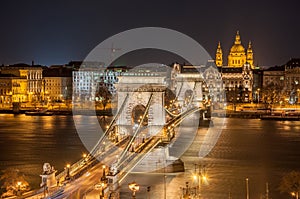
[
  {"x": 29, "y": 141},
  {"x": 259, "y": 150}
]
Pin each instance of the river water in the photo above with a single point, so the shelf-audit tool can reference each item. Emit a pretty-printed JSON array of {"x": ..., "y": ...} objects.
[{"x": 247, "y": 148}]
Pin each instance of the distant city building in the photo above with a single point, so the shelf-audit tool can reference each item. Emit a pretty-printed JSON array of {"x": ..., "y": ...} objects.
[
  {"x": 57, "y": 83},
  {"x": 213, "y": 82},
  {"x": 274, "y": 76},
  {"x": 237, "y": 56},
  {"x": 34, "y": 79},
  {"x": 238, "y": 77},
  {"x": 281, "y": 83},
  {"x": 6, "y": 88},
  {"x": 88, "y": 80},
  {"x": 292, "y": 75},
  {"x": 19, "y": 90}
]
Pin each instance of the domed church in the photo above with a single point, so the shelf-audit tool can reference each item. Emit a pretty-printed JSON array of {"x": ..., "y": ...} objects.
[
  {"x": 237, "y": 76},
  {"x": 237, "y": 56}
]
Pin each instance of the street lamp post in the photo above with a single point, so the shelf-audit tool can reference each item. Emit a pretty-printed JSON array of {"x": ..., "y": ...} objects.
[
  {"x": 200, "y": 177},
  {"x": 295, "y": 194},
  {"x": 247, "y": 188},
  {"x": 68, "y": 172},
  {"x": 84, "y": 156},
  {"x": 134, "y": 187},
  {"x": 258, "y": 90},
  {"x": 102, "y": 191},
  {"x": 19, "y": 188},
  {"x": 103, "y": 178},
  {"x": 101, "y": 188}
]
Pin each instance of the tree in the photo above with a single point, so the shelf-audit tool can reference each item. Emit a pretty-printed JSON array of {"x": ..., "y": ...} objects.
[
  {"x": 290, "y": 183},
  {"x": 103, "y": 94},
  {"x": 273, "y": 93},
  {"x": 13, "y": 182}
]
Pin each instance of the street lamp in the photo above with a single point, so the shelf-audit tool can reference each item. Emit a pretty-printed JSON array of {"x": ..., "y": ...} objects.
[
  {"x": 100, "y": 187},
  {"x": 68, "y": 172},
  {"x": 84, "y": 156},
  {"x": 295, "y": 194},
  {"x": 257, "y": 95},
  {"x": 200, "y": 178},
  {"x": 19, "y": 188},
  {"x": 103, "y": 178},
  {"x": 134, "y": 188},
  {"x": 247, "y": 188}
]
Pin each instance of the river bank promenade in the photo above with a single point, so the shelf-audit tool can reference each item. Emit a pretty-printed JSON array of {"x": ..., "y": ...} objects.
[{"x": 249, "y": 110}]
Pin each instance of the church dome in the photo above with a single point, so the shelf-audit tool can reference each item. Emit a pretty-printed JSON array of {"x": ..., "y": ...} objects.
[{"x": 237, "y": 48}]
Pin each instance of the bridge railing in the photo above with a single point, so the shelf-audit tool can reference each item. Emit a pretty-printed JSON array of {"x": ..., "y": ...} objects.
[{"x": 80, "y": 165}]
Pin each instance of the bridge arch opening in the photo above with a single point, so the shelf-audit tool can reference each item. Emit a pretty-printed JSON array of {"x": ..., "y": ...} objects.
[
  {"x": 169, "y": 97},
  {"x": 188, "y": 96},
  {"x": 137, "y": 115}
]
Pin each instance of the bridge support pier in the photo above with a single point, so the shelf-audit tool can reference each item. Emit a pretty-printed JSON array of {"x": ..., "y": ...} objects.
[{"x": 113, "y": 187}]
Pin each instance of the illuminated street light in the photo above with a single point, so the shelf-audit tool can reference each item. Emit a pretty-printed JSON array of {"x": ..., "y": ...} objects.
[
  {"x": 247, "y": 188},
  {"x": 84, "y": 156},
  {"x": 200, "y": 177},
  {"x": 101, "y": 188},
  {"x": 103, "y": 178},
  {"x": 295, "y": 194},
  {"x": 19, "y": 188},
  {"x": 68, "y": 171},
  {"x": 134, "y": 188}
]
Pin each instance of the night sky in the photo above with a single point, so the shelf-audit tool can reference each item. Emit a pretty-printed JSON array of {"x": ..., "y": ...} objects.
[{"x": 56, "y": 32}]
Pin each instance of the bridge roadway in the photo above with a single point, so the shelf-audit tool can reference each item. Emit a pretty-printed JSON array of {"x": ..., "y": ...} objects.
[{"x": 88, "y": 171}]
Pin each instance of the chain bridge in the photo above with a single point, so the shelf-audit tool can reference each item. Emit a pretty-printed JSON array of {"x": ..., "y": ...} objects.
[{"x": 143, "y": 127}]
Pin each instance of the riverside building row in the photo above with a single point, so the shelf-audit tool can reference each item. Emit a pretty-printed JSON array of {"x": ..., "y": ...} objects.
[{"x": 239, "y": 78}]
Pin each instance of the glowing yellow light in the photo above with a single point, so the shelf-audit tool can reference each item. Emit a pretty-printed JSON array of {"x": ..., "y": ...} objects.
[{"x": 293, "y": 194}]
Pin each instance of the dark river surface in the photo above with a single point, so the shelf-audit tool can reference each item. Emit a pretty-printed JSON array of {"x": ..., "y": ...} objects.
[{"x": 247, "y": 148}]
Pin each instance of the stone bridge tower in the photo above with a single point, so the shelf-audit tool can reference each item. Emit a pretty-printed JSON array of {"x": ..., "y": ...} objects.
[{"x": 143, "y": 88}]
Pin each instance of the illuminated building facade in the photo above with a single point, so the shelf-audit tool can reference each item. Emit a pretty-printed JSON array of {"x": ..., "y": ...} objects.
[
  {"x": 5, "y": 89},
  {"x": 58, "y": 88},
  {"x": 57, "y": 83},
  {"x": 19, "y": 90},
  {"x": 237, "y": 76},
  {"x": 33, "y": 76},
  {"x": 237, "y": 56},
  {"x": 87, "y": 80}
]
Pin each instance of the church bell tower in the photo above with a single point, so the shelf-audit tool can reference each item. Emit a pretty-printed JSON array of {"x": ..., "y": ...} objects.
[{"x": 219, "y": 56}]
